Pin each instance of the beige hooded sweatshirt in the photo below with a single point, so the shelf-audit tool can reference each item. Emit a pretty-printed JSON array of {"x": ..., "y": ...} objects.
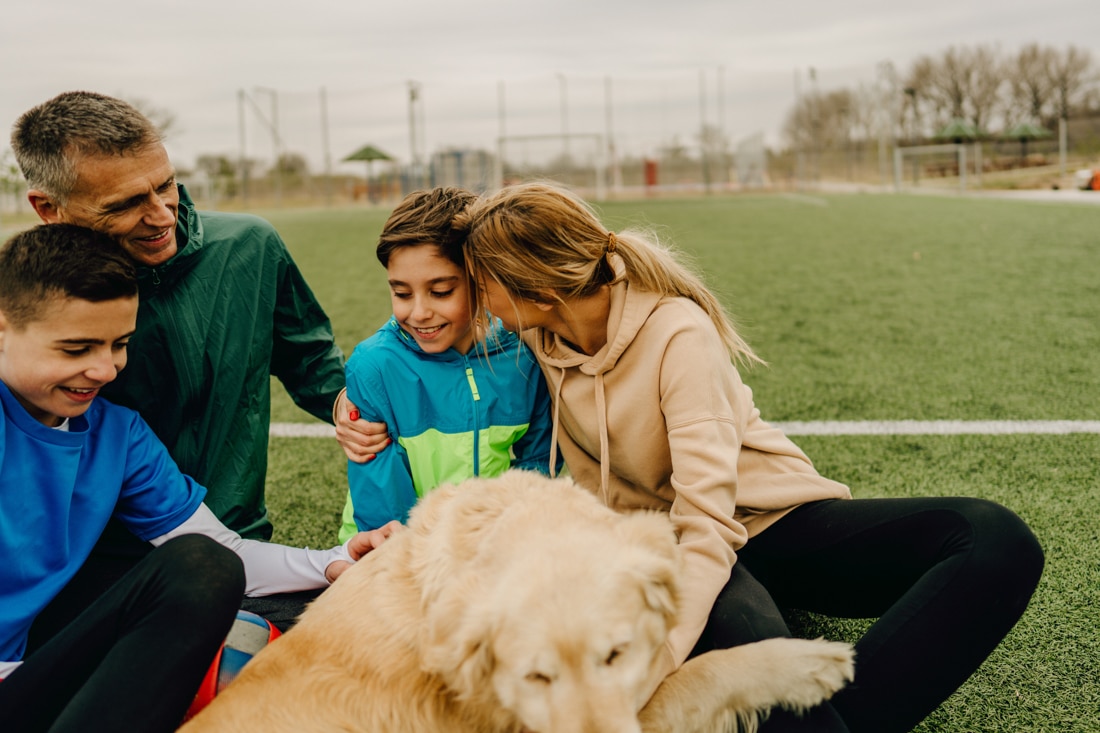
[{"x": 660, "y": 419}]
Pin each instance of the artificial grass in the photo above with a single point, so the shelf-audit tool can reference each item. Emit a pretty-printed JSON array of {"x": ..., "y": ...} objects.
[
  {"x": 1045, "y": 675},
  {"x": 305, "y": 491},
  {"x": 888, "y": 307}
]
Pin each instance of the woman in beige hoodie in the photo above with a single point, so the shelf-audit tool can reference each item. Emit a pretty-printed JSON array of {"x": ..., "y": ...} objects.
[{"x": 651, "y": 413}]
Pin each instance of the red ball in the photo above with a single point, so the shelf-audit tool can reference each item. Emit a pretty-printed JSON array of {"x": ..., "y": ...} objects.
[{"x": 247, "y": 636}]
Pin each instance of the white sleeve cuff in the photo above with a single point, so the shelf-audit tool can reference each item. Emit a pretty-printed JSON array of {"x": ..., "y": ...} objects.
[{"x": 269, "y": 568}]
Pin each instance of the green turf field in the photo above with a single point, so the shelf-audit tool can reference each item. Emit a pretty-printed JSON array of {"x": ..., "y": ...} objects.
[{"x": 867, "y": 307}]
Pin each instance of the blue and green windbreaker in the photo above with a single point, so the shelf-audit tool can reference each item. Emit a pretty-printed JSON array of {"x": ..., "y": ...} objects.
[{"x": 451, "y": 415}]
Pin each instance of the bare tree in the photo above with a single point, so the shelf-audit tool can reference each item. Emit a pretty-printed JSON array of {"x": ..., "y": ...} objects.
[
  {"x": 1071, "y": 74},
  {"x": 164, "y": 119},
  {"x": 976, "y": 84},
  {"x": 12, "y": 185},
  {"x": 867, "y": 106},
  {"x": 674, "y": 153},
  {"x": 950, "y": 85},
  {"x": 889, "y": 102},
  {"x": 293, "y": 164},
  {"x": 220, "y": 171},
  {"x": 986, "y": 82},
  {"x": 11, "y": 178},
  {"x": 216, "y": 165},
  {"x": 963, "y": 83},
  {"x": 838, "y": 119},
  {"x": 1031, "y": 91},
  {"x": 822, "y": 121},
  {"x": 1089, "y": 105},
  {"x": 714, "y": 147},
  {"x": 919, "y": 87},
  {"x": 798, "y": 127}
]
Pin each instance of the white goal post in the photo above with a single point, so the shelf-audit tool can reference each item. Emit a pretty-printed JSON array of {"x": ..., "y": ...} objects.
[
  {"x": 583, "y": 155},
  {"x": 958, "y": 150}
]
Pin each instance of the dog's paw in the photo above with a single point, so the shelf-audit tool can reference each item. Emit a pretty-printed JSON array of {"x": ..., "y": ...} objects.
[
  {"x": 732, "y": 688},
  {"x": 802, "y": 673}
]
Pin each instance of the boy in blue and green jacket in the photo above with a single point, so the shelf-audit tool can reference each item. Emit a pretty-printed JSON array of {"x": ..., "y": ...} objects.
[{"x": 461, "y": 398}]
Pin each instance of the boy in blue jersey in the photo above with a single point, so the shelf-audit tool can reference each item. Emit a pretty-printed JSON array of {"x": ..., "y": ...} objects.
[
  {"x": 69, "y": 462},
  {"x": 461, "y": 398}
]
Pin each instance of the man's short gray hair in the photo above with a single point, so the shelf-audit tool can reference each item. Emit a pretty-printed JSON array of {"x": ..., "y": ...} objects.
[{"x": 49, "y": 138}]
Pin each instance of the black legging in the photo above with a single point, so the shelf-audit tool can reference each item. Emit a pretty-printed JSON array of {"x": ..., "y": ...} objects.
[
  {"x": 946, "y": 578},
  {"x": 116, "y": 552},
  {"x": 133, "y": 660}
]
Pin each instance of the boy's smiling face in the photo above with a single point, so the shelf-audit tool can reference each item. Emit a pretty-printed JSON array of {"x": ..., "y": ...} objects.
[
  {"x": 431, "y": 298},
  {"x": 56, "y": 363}
]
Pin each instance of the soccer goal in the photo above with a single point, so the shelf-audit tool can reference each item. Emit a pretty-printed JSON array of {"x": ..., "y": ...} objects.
[
  {"x": 577, "y": 160},
  {"x": 934, "y": 161},
  {"x": 750, "y": 161}
]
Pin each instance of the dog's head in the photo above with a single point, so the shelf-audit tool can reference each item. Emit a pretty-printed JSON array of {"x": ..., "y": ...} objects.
[{"x": 561, "y": 616}]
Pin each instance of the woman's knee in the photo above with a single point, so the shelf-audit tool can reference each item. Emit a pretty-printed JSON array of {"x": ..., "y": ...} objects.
[
  {"x": 744, "y": 612},
  {"x": 1004, "y": 539}
]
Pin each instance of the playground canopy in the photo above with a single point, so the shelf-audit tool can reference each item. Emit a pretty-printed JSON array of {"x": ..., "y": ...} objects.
[
  {"x": 959, "y": 129},
  {"x": 1027, "y": 131},
  {"x": 369, "y": 154}
]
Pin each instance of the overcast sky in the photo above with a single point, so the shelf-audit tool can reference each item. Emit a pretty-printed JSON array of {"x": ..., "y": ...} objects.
[{"x": 550, "y": 66}]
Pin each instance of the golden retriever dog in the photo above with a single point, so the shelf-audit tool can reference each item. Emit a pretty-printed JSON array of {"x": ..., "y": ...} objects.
[{"x": 518, "y": 604}]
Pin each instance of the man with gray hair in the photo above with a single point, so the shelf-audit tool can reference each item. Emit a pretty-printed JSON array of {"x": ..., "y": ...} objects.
[{"x": 223, "y": 305}]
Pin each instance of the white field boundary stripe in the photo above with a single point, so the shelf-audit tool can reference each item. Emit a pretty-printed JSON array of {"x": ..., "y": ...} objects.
[
  {"x": 302, "y": 430},
  {"x": 858, "y": 427},
  {"x": 941, "y": 427},
  {"x": 805, "y": 199}
]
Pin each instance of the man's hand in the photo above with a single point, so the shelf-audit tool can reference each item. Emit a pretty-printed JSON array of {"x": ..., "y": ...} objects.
[
  {"x": 360, "y": 439},
  {"x": 360, "y": 545}
]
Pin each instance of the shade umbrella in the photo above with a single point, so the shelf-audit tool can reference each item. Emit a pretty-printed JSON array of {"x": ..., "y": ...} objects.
[
  {"x": 1027, "y": 131},
  {"x": 369, "y": 154},
  {"x": 959, "y": 129}
]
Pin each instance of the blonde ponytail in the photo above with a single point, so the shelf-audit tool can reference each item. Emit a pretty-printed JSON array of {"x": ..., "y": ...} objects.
[{"x": 538, "y": 239}]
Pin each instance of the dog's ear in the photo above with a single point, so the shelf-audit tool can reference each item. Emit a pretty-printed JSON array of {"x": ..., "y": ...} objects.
[
  {"x": 656, "y": 558},
  {"x": 456, "y": 639}
]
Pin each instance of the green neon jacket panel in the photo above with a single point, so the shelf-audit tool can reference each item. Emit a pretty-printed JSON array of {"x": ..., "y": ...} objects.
[{"x": 452, "y": 416}]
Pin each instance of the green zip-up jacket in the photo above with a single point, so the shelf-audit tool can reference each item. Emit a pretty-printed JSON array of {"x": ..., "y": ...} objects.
[{"x": 215, "y": 322}]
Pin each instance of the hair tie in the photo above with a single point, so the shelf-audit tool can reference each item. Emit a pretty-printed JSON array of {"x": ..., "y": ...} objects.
[{"x": 612, "y": 242}]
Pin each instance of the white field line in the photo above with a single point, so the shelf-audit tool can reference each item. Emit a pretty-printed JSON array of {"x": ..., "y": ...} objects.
[
  {"x": 302, "y": 430},
  {"x": 940, "y": 427},
  {"x": 859, "y": 427},
  {"x": 805, "y": 199}
]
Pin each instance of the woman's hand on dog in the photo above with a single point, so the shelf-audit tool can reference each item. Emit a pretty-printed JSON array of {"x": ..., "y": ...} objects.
[{"x": 360, "y": 545}]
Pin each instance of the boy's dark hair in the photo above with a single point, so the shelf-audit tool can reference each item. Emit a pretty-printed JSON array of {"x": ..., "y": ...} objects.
[
  {"x": 427, "y": 217},
  {"x": 63, "y": 260}
]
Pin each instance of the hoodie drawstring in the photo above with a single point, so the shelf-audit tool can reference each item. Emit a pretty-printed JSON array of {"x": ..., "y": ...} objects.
[
  {"x": 554, "y": 426},
  {"x": 605, "y": 445},
  {"x": 605, "y": 449}
]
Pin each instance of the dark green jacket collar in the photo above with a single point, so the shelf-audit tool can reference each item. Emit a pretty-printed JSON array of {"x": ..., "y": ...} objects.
[{"x": 189, "y": 242}]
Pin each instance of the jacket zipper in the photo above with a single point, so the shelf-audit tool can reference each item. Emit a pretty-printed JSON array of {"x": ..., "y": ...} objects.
[{"x": 477, "y": 421}]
